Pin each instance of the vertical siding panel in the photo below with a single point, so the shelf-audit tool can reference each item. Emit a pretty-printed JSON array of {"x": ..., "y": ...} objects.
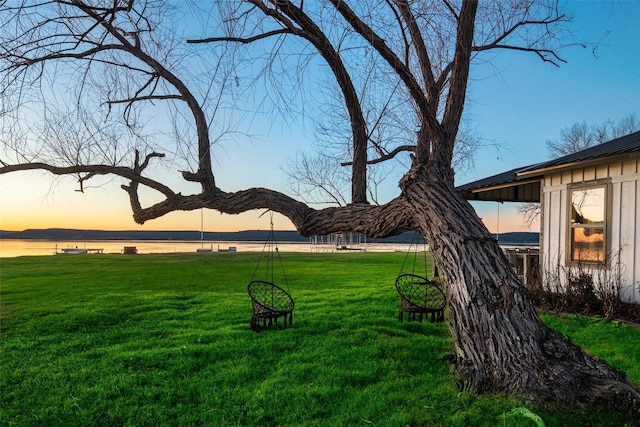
[
  {"x": 543, "y": 217},
  {"x": 561, "y": 226},
  {"x": 618, "y": 230},
  {"x": 635, "y": 277},
  {"x": 577, "y": 175},
  {"x": 549, "y": 214},
  {"x": 602, "y": 171},
  {"x": 549, "y": 242},
  {"x": 589, "y": 174},
  {"x": 625, "y": 236},
  {"x": 634, "y": 268},
  {"x": 615, "y": 169},
  {"x": 546, "y": 239},
  {"x": 617, "y": 205},
  {"x": 554, "y": 235}
]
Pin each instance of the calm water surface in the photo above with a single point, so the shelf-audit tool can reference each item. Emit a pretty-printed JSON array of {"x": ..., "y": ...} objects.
[{"x": 14, "y": 248}]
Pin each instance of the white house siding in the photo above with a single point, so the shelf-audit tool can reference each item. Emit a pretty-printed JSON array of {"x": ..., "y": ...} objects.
[{"x": 624, "y": 221}]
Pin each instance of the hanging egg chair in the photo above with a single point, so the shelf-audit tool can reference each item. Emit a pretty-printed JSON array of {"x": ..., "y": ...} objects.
[
  {"x": 419, "y": 297},
  {"x": 269, "y": 301}
]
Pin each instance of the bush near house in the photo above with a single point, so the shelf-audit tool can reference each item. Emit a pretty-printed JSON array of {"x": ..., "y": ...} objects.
[{"x": 587, "y": 291}]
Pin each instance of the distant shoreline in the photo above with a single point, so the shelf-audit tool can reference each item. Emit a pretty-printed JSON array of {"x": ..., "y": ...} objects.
[{"x": 65, "y": 235}]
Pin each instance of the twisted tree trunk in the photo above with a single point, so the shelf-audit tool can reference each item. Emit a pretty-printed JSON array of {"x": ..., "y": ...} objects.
[{"x": 500, "y": 343}]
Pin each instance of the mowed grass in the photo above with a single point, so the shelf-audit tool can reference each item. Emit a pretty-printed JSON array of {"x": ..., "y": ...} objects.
[{"x": 164, "y": 340}]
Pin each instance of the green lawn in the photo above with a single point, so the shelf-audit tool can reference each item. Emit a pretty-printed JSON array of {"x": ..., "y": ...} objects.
[{"x": 164, "y": 340}]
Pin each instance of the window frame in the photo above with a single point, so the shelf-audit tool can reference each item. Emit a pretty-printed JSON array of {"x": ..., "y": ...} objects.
[{"x": 605, "y": 184}]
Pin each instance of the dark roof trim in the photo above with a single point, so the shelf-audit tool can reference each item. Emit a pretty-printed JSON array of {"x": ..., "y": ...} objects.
[
  {"x": 495, "y": 181},
  {"x": 619, "y": 146},
  {"x": 522, "y": 176}
]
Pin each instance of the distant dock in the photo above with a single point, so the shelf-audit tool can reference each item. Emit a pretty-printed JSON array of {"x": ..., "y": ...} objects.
[{"x": 78, "y": 251}]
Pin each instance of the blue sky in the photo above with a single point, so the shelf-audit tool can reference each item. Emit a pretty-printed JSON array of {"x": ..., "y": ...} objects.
[
  {"x": 517, "y": 105},
  {"x": 530, "y": 102}
]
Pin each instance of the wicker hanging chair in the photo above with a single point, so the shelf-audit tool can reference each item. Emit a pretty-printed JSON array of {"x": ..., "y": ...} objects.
[
  {"x": 419, "y": 297},
  {"x": 269, "y": 301}
]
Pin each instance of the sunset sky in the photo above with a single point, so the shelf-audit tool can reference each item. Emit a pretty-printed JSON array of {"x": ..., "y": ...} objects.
[{"x": 516, "y": 105}]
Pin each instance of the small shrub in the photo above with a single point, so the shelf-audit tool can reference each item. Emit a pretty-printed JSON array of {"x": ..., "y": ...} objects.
[{"x": 581, "y": 290}]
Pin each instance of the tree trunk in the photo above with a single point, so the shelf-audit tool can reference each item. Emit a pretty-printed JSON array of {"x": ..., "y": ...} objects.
[{"x": 500, "y": 343}]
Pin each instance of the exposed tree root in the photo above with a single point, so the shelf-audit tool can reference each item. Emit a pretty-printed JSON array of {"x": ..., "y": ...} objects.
[{"x": 563, "y": 376}]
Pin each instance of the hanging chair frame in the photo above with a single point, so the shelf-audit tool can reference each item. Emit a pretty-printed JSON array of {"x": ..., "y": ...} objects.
[
  {"x": 419, "y": 297},
  {"x": 269, "y": 301}
]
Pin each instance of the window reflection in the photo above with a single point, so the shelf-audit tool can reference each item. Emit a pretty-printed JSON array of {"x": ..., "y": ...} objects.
[{"x": 588, "y": 210}]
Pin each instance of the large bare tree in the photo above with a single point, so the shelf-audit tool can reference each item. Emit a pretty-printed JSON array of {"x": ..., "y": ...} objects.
[{"x": 117, "y": 58}]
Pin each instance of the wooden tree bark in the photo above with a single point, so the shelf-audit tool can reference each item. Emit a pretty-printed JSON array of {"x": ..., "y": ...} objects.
[{"x": 500, "y": 344}]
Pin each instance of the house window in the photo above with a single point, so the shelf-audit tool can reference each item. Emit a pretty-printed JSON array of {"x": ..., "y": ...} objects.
[{"x": 587, "y": 228}]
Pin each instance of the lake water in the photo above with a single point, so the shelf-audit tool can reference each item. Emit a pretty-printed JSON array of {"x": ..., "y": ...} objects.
[{"x": 10, "y": 248}]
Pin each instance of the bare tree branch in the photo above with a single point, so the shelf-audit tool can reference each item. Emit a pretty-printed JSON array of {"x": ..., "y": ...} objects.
[
  {"x": 547, "y": 55},
  {"x": 314, "y": 34},
  {"x": 145, "y": 98},
  {"x": 245, "y": 40},
  {"x": 458, "y": 81},
  {"x": 388, "y": 156},
  {"x": 421, "y": 49},
  {"x": 93, "y": 170},
  {"x": 427, "y": 111}
]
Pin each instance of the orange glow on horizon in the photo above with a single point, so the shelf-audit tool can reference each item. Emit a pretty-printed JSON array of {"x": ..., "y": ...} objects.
[
  {"x": 28, "y": 202},
  {"x": 503, "y": 217},
  {"x": 121, "y": 219}
]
